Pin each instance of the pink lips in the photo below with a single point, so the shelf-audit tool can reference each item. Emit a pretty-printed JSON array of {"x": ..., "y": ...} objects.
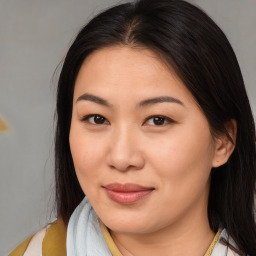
[{"x": 127, "y": 193}]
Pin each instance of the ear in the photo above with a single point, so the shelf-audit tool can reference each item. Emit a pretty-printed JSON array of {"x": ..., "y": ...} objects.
[{"x": 225, "y": 144}]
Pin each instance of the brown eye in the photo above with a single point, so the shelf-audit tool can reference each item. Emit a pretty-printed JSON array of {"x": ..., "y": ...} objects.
[
  {"x": 98, "y": 119},
  {"x": 95, "y": 119},
  {"x": 158, "y": 120}
]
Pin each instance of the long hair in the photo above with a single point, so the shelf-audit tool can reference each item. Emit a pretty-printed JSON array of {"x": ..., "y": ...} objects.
[{"x": 199, "y": 52}]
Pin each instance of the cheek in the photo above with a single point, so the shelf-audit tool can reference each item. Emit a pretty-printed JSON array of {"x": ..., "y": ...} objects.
[
  {"x": 182, "y": 166},
  {"x": 183, "y": 157},
  {"x": 87, "y": 154}
]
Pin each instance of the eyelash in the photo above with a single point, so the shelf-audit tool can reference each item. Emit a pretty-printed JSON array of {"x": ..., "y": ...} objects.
[{"x": 166, "y": 119}]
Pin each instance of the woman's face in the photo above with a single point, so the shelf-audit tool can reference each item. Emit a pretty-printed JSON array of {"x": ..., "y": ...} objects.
[{"x": 141, "y": 146}]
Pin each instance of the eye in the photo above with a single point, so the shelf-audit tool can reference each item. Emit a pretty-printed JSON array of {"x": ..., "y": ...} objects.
[
  {"x": 158, "y": 120},
  {"x": 95, "y": 119}
]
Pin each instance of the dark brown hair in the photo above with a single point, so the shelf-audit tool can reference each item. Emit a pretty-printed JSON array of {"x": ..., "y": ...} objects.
[{"x": 202, "y": 57}]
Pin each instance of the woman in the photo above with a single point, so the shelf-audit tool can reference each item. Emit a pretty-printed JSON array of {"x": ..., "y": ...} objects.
[{"x": 154, "y": 126}]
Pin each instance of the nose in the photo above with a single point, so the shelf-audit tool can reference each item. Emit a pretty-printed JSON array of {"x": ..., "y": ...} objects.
[{"x": 125, "y": 150}]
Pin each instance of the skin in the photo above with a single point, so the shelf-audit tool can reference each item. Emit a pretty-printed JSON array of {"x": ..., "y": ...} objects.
[{"x": 175, "y": 158}]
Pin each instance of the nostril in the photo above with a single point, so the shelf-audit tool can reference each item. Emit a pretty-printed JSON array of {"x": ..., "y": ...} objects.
[{"x": 128, "y": 163}]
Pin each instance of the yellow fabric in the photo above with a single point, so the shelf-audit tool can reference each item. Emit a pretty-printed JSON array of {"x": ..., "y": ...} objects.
[
  {"x": 213, "y": 243},
  {"x": 54, "y": 242},
  {"x": 109, "y": 241},
  {"x": 19, "y": 251}
]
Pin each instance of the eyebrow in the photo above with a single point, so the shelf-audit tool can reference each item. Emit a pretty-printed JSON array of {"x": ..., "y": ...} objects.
[
  {"x": 94, "y": 99},
  {"x": 144, "y": 103}
]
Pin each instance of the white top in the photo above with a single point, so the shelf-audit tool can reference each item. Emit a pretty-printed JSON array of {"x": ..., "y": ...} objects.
[
  {"x": 35, "y": 245},
  {"x": 221, "y": 249}
]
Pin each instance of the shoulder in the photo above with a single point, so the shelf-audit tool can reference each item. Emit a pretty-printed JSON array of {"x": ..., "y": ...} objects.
[
  {"x": 222, "y": 249},
  {"x": 54, "y": 242},
  {"x": 20, "y": 249},
  {"x": 50, "y": 240}
]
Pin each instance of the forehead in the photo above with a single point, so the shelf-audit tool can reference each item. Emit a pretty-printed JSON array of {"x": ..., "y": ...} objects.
[
  {"x": 122, "y": 70},
  {"x": 125, "y": 59}
]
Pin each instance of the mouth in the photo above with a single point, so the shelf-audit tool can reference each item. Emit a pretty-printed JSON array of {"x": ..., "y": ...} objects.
[{"x": 127, "y": 193}]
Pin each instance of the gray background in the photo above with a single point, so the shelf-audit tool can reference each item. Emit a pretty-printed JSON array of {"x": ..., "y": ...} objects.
[{"x": 34, "y": 37}]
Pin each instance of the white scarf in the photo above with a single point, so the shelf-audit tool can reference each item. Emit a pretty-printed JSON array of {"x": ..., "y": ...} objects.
[{"x": 84, "y": 236}]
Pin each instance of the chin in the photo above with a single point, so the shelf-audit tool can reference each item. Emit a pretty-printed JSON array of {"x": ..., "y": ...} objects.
[{"x": 125, "y": 224}]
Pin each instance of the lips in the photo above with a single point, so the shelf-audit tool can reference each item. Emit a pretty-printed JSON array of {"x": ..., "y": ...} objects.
[{"x": 127, "y": 193}]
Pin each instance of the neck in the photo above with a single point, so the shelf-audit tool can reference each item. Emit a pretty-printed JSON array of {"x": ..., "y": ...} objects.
[{"x": 191, "y": 236}]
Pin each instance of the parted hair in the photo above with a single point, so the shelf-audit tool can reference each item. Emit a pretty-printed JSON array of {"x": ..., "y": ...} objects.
[{"x": 201, "y": 55}]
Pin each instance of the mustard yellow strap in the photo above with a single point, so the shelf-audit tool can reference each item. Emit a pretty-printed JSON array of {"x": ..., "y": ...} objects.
[
  {"x": 54, "y": 242},
  {"x": 109, "y": 241},
  {"x": 212, "y": 245},
  {"x": 20, "y": 250}
]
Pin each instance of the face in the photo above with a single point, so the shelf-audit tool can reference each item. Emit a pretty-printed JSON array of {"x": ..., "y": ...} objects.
[{"x": 141, "y": 146}]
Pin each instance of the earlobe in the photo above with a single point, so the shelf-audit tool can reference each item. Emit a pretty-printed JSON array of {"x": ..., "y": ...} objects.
[{"x": 225, "y": 144}]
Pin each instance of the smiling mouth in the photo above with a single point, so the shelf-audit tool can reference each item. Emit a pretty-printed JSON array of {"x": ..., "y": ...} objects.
[{"x": 127, "y": 193}]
